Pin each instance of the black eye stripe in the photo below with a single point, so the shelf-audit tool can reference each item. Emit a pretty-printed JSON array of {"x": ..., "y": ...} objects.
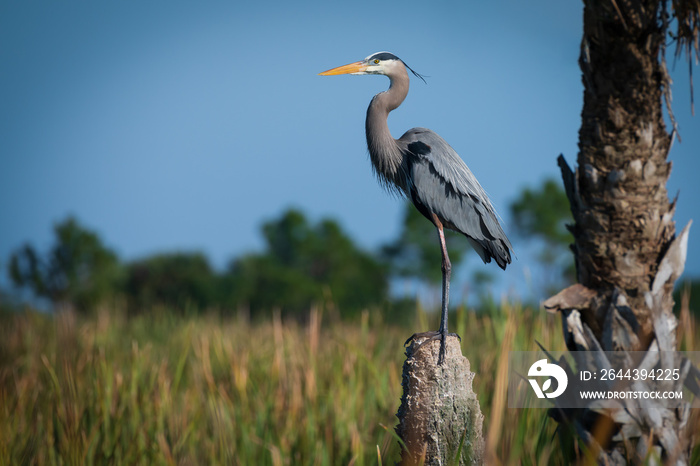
[{"x": 383, "y": 56}]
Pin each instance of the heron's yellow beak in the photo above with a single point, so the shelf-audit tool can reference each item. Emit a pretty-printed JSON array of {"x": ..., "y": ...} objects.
[{"x": 356, "y": 67}]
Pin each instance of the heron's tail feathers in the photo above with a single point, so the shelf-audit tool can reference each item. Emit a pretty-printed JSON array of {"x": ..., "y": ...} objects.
[{"x": 497, "y": 249}]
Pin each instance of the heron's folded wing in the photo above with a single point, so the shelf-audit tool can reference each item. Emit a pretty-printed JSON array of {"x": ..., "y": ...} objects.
[{"x": 443, "y": 184}]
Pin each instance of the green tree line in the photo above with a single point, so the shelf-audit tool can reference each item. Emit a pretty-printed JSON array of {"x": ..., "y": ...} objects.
[{"x": 302, "y": 264}]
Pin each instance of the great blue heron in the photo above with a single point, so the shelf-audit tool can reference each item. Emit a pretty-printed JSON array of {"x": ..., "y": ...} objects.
[{"x": 423, "y": 167}]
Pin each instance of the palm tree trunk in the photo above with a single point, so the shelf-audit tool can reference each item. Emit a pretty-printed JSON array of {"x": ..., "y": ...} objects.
[
  {"x": 624, "y": 221},
  {"x": 626, "y": 252}
]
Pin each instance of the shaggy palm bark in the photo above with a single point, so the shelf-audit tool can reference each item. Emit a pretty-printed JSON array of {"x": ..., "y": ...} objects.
[{"x": 626, "y": 252}]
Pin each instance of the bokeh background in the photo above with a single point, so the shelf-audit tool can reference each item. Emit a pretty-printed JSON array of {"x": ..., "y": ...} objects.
[{"x": 217, "y": 315}]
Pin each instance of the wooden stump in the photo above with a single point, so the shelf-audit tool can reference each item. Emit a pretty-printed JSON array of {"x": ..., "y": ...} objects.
[{"x": 440, "y": 420}]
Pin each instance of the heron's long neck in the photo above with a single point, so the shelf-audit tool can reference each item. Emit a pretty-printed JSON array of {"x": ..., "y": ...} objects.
[{"x": 386, "y": 156}]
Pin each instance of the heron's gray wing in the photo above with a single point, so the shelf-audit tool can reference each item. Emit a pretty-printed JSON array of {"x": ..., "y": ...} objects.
[{"x": 441, "y": 183}]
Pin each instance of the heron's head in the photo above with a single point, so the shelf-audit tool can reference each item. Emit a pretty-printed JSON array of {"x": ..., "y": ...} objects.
[{"x": 385, "y": 63}]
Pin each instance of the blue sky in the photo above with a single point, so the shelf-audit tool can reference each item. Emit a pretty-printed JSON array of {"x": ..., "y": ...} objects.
[{"x": 184, "y": 125}]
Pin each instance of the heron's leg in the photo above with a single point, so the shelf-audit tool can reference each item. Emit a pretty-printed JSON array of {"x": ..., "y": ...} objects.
[{"x": 446, "y": 273}]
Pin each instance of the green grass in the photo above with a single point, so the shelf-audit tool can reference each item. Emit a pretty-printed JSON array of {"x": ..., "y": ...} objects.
[{"x": 162, "y": 389}]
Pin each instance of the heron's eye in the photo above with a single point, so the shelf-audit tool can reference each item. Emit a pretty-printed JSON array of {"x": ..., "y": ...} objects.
[{"x": 376, "y": 61}]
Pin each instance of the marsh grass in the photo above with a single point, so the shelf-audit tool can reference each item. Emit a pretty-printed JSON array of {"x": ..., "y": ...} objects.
[{"x": 162, "y": 389}]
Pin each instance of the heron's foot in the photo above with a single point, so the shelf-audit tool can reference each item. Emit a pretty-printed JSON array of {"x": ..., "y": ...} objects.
[
  {"x": 429, "y": 334},
  {"x": 432, "y": 336}
]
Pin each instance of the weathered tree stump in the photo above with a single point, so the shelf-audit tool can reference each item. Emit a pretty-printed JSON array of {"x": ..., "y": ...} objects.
[{"x": 440, "y": 420}]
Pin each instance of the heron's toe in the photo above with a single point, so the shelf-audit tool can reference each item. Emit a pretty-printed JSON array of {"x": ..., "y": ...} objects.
[{"x": 430, "y": 335}]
